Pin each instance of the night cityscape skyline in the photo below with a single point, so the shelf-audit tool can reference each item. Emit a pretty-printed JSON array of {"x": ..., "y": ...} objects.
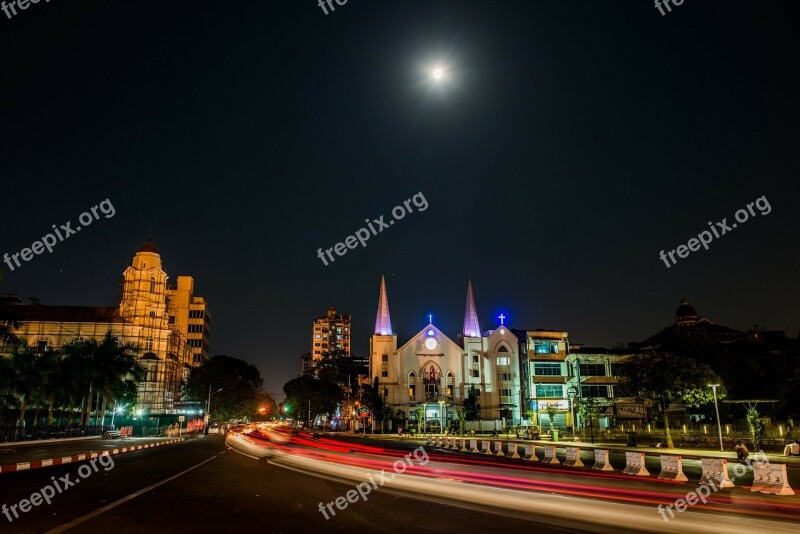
[{"x": 590, "y": 202}]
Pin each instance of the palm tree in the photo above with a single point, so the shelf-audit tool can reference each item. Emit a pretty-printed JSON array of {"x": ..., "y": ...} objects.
[
  {"x": 117, "y": 370},
  {"x": 22, "y": 380}
]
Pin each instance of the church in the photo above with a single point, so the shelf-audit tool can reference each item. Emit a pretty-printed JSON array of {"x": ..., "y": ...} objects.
[{"x": 435, "y": 372}]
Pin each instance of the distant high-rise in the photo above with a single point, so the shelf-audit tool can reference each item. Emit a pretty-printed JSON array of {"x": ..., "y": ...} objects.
[{"x": 331, "y": 334}]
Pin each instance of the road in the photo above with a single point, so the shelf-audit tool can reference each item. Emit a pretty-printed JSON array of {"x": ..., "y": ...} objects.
[{"x": 221, "y": 490}]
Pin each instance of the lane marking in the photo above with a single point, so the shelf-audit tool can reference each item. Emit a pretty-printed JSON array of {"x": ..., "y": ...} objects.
[{"x": 90, "y": 515}]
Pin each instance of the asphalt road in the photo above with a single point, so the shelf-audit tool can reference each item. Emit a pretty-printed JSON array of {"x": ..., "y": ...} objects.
[{"x": 220, "y": 490}]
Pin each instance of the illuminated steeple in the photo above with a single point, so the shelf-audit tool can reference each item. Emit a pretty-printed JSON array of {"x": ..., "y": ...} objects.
[
  {"x": 471, "y": 326},
  {"x": 383, "y": 323}
]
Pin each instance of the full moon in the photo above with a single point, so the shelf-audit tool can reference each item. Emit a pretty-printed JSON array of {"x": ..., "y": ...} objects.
[{"x": 437, "y": 73}]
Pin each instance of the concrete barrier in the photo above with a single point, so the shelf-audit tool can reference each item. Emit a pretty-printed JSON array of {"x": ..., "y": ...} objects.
[
  {"x": 550, "y": 455},
  {"x": 770, "y": 478},
  {"x": 485, "y": 448},
  {"x": 634, "y": 464},
  {"x": 473, "y": 445},
  {"x": 429, "y": 442},
  {"x": 672, "y": 468},
  {"x": 498, "y": 448},
  {"x": 530, "y": 453},
  {"x": 716, "y": 469},
  {"x": 513, "y": 451},
  {"x": 573, "y": 458},
  {"x": 463, "y": 447},
  {"x": 447, "y": 443},
  {"x": 602, "y": 461}
]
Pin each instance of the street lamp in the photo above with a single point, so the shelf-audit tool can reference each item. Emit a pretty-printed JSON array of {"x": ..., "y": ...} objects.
[
  {"x": 441, "y": 420},
  {"x": 716, "y": 406},
  {"x": 572, "y": 392}
]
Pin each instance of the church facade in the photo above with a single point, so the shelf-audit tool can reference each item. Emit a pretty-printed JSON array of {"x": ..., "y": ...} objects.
[{"x": 432, "y": 371}]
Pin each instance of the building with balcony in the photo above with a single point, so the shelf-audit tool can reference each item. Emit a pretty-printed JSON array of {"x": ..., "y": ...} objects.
[{"x": 331, "y": 334}]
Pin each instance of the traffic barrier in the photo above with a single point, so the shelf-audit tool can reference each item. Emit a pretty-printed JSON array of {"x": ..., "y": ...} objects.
[
  {"x": 513, "y": 451},
  {"x": 485, "y": 448},
  {"x": 672, "y": 468},
  {"x": 446, "y": 443},
  {"x": 530, "y": 453},
  {"x": 463, "y": 447},
  {"x": 498, "y": 448},
  {"x": 770, "y": 478},
  {"x": 126, "y": 432},
  {"x": 717, "y": 469},
  {"x": 550, "y": 455},
  {"x": 573, "y": 458},
  {"x": 634, "y": 464},
  {"x": 473, "y": 445},
  {"x": 602, "y": 461},
  {"x": 429, "y": 442}
]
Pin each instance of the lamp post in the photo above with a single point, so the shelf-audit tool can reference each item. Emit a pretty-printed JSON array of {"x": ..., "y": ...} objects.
[
  {"x": 572, "y": 392},
  {"x": 441, "y": 420},
  {"x": 716, "y": 406}
]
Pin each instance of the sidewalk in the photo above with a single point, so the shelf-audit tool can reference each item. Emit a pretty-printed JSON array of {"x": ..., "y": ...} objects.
[
  {"x": 19, "y": 457},
  {"x": 687, "y": 453}
]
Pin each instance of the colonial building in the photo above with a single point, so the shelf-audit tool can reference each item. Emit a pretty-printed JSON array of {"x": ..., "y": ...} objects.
[
  {"x": 434, "y": 372},
  {"x": 170, "y": 325}
]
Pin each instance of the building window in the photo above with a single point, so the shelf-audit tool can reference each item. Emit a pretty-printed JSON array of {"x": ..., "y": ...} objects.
[
  {"x": 317, "y": 336},
  {"x": 615, "y": 369},
  {"x": 545, "y": 347},
  {"x": 595, "y": 391},
  {"x": 196, "y": 314},
  {"x": 152, "y": 285},
  {"x": 384, "y": 374},
  {"x": 503, "y": 376},
  {"x": 548, "y": 391},
  {"x": 148, "y": 343},
  {"x": 385, "y": 358},
  {"x": 475, "y": 358},
  {"x": 547, "y": 369},
  {"x": 505, "y": 392},
  {"x": 412, "y": 392},
  {"x": 476, "y": 373},
  {"x": 171, "y": 319},
  {"x": 503, "y": 360},
  {"x": 592, "y": 369},
  {"x": 412, "y": 378},
  {"x": 195, "y": 329},
  {"x": 41, "y": 345}
]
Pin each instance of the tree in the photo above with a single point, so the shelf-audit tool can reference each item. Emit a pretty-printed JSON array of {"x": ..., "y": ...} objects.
[
  {"x": 462, "y": 417},
  {"x": 471, "y": 405},
  {"x": 322, "y": 396},
  {"x": 756, "y": 426},
  {"x": 668, "y": 378},
  {"x": 589, "y": 410},
  {"x": 240, "y": 384},
  {"x": 551, "y": 410}
]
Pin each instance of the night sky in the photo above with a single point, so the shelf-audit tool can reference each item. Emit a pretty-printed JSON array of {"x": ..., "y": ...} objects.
[{"x": 567, "y": 145}]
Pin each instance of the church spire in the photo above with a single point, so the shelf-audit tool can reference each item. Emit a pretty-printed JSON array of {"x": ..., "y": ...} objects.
[
  {"x": 471, "y": 326},
  {"x": 383, "y": 323}
]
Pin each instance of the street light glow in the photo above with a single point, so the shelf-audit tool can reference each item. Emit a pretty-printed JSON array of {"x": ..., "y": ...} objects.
[{"x": 438, "y": 73}]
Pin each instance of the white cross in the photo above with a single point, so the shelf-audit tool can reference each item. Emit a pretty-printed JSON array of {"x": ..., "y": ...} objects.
[
  {"x": 430, "y": 318},
  {"x": 502, "y": 318}
]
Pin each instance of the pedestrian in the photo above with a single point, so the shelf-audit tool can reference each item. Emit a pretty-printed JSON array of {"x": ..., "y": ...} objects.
[{"x": 741, "y": 451}]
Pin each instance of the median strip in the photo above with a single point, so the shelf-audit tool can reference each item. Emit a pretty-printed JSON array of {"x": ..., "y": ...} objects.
[{"x": 25, "y": 466}]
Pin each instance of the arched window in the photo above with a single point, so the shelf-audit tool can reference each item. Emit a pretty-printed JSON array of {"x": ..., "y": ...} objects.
[
  {"x": 152, "y": 285},
  {"x": 449, "y": 385},
  {"x": 502, "y": 349},
  {"x": 431, "y": 380},
  {"x": 412, "y": 386}
]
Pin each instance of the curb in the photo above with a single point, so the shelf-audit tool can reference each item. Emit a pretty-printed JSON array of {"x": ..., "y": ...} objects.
[{"x": 24, "y": 466}]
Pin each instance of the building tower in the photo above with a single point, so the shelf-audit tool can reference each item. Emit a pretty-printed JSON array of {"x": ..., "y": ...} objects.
[
  {"x": 331, "y": 335},
  {"x": 383, "y": 343}
]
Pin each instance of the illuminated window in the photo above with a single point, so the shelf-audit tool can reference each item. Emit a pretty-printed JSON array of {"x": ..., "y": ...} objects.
[
  {"x": 545, "y": 347},
  {"x": 549, "y": 391},
  {"x": 503, "y": 360},
  {"x": 152, "y": 285}
]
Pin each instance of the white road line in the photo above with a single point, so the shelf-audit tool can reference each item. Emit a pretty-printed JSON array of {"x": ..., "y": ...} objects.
[{"x": 90, "y": 515}]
